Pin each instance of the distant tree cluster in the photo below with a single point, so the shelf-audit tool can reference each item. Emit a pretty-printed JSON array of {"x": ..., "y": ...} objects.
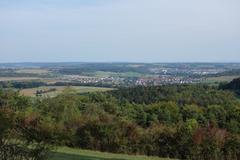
[
  {"x": 8, "y": 72},
  {"x": 35, "y": 84},
  {"x": 105, "y": 67},
  {"x": 40, "y": 92},
  {"x": 21, "y": 84}
]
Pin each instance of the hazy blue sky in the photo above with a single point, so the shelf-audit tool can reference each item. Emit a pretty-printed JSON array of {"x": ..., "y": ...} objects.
[{"x": 120, "y": 30}]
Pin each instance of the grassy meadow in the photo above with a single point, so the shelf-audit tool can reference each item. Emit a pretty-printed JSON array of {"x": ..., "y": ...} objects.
[
  {"x": 65, "y": 153},
  {"x": 59, "y": 89},
  {"x": 18, "y": 78},
  {"x": 33, "y": 71},
  {"x": 219, "y": 79}
]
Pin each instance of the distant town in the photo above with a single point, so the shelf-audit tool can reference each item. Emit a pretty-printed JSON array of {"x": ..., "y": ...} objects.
[{"x": 113, "y": 75}]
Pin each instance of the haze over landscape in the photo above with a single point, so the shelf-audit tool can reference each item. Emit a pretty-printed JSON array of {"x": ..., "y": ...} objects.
[
  {"x": 119, "y": 80},
  {"x": 120, "y": 30}
]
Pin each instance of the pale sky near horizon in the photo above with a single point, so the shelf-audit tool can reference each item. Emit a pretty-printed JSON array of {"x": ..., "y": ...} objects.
[{"x": 120, "y": 30}]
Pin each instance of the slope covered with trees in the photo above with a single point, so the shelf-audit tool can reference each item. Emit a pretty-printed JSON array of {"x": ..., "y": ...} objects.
[
  {"x": 233, "y": 85},
  {"x": 177, "y": 121}
]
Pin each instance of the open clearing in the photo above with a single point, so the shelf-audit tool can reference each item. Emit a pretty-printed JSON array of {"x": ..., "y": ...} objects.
[
  {"x": 220, "y": 79},
  {"x": 33, "y": 71},
  {"x": 59, "y": 89},
  {"x": 18, "y": 78},
  {"x": 65, "y": 153}
]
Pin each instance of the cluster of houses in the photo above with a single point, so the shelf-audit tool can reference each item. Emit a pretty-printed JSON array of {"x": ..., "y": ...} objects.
[
  {"x": 166, "y": 80},
  {"x": 87, "y": 79},
  {"x": 144, "y": 81}
]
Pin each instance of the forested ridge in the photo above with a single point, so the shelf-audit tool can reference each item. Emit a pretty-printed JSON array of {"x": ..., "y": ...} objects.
[
  {"x": 177, "y": 121},
  {"x": 234, "y": 85}
]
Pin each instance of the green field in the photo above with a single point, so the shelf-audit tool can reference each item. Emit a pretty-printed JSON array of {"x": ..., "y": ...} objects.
[
  {"x": 33, "y": 71},
  {"x": 212, "y": 80},
  {"x": 18, "y": 78},
  {"x": 59, "y": 89},
  {"x": 65, "y": 153}
]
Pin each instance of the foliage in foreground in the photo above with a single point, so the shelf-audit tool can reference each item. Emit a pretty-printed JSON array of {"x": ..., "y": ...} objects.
[
  {"x": 177, "y": 121},
  {"x": 21, "y": 133}
]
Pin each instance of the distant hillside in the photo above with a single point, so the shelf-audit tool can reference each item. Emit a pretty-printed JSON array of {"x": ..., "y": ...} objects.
[{"x": 233, "y": 85}]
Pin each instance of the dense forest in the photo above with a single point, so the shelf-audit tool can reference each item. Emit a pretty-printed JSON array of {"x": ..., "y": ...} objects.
[
  {"x": 177, "y": 121},
  {"x": 234, "y": 85},
  {"x": 105, "y": 67},
  {"x": 22, "y": 84},
  {"x": 12, "y": 73}
]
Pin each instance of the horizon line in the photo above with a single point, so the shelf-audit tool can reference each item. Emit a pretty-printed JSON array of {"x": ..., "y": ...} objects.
[{"x": 9, "y": 62}]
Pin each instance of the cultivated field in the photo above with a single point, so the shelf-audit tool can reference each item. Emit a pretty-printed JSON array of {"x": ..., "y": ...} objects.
[
  {"x": 220, "y": 79},
  {"x": 18, "y": 78},
  {"x": 59, "y": 89},
  {"x": 77, "y": 154},
  {"x": 33, "y": 71}
]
